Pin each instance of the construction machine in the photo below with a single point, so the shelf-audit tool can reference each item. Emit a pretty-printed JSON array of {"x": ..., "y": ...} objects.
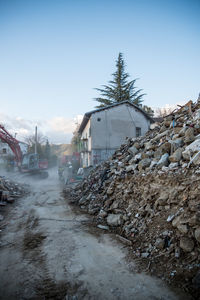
[{"x": 27, "y": 163}]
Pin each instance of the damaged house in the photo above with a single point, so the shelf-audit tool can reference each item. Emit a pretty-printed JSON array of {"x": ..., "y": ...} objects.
[{"x": 103, "y": 130}]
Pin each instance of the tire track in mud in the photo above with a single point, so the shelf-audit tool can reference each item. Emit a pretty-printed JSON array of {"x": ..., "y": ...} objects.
[{"x": 46, "y": 287}]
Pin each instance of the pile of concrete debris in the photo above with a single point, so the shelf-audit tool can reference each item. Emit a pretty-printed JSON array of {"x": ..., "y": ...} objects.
[
  {"x": 149, "y": 194},
  {"x": 9, "y": 191}
]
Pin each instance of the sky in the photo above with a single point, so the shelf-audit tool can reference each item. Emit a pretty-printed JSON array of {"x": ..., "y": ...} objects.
[{"x": 53, "y": 54}]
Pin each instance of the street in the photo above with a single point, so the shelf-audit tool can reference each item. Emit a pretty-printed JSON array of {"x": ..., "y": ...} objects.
[{"x": 48, "y": 251}]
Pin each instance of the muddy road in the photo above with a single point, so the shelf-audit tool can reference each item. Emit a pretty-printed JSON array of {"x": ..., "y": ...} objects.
[{"x": 47, "y": 251}]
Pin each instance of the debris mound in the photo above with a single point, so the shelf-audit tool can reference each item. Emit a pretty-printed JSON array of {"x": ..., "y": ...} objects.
[
  {"x": 9, "y": 192},
  {"x": 148, "y": 193}
]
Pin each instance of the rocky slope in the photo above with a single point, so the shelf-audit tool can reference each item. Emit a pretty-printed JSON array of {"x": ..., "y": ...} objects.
[{"x": 149, "y": 194}]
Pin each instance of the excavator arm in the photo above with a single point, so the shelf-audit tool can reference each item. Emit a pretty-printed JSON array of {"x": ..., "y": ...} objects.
[{"x": 13, "y": 143}]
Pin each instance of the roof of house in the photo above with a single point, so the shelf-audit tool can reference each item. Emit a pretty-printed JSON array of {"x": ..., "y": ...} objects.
[{"x": 88, "y": 114}]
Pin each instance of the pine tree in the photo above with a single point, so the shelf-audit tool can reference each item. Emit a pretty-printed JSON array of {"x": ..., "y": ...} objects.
[
  {"x": 148, "y": 110},
  {"x": 47, "y": 150},
  {"x": 119, "y": 89}
]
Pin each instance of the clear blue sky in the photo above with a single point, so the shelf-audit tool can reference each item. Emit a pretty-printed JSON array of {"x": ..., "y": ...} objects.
[{"x": 54, "y": 53}]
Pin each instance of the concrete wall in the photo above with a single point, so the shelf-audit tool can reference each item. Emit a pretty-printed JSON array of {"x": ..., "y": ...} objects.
[
  {"x": 100, "y": 155},
  {"x": 86, "y": 153},
  {"x": 109, "y": 128},
  {"x": 5, "y": 146},
  {"x": 86, "y": 134},
  {"x": 5, "y": 152}
]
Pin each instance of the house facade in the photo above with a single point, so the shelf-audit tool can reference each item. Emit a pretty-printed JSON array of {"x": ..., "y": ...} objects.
[
  {"x": 103, "y": 130},
  {"x": 6, "y": 152}
]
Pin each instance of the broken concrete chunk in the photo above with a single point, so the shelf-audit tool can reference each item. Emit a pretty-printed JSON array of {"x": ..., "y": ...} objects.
[
  {"x": 183, "y": 228},
  {"x": 159, "y": 136},
  {"x": 110, "y": 191},
  {"x": 104, "y": 227},
  {"x": 195, "y": 159},
  {"x": 194, "y": 220},
  {"x": 165, "y": 148},
  {"x": 133, "y": 150},
  {"x": 145, "y": 254},
  {"x": 153, "y": 164},
  {"x": 173, "y": 165},
  {"x": 137, "y": 157},
  {"x": 159, "y": 243},
  {"x": 164, "y": 161},
  {"x": 124, "y": 240},
  {"x": 186, "y": 244},
  {"x": 82, "y": 201},
  {"x": 114, "y": 219},
  {"x": 162, "y": 200},
  {"x": 144, "y": 163},
  {"x": 176, "y": 156},
  {"x": 149, "y": 146},
  {"x": 197, "y": 234},
  {"x": 130, "y": 168},
  {"x": 189, "y": 135},
  {"x": 192, "y": 148},
  {"x": 103, "y": 213}
]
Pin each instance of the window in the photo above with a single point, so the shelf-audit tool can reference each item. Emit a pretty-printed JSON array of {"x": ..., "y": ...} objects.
[
  {"x": 138, "y": 131},
  {"x": 98, "y": 119},
  {"x": 4, "y": 151},
  {"x": 89, "y": 131}
]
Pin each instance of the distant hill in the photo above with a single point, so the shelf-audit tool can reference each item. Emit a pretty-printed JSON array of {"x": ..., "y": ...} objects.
[{"x": 62, "y": 149}]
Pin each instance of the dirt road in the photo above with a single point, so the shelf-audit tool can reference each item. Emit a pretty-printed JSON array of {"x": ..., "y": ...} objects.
[{"x": 49, "y": 252}]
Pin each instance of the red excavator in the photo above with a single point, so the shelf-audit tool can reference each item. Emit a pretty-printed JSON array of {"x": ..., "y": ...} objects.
[{"x": 27, "y": 163}]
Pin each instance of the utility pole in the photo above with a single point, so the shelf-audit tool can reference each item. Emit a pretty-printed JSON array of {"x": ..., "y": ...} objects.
[{"x": 35, "y": 139}]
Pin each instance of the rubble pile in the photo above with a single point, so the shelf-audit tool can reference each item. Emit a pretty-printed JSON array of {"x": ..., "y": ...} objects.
[
  {"x": 149, "y": 194},
  {"x": 9, "y": 191}
]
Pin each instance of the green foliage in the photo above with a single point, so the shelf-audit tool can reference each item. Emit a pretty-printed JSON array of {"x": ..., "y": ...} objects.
[
  {"x": 76, "y": 140},
  {"x": 148, "y": 110},
  {"x": 119, "y": 89}
]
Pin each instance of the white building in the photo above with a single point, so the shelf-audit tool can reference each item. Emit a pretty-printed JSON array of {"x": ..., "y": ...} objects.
[
  {"x": 103, "y": 130},
  {"x": 5, "y": 151}
]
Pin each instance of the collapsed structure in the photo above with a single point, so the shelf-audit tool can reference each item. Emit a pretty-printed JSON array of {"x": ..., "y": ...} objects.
[
  {"x": 9, "y": 192},
  {"x": 149, "y": 194}
]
